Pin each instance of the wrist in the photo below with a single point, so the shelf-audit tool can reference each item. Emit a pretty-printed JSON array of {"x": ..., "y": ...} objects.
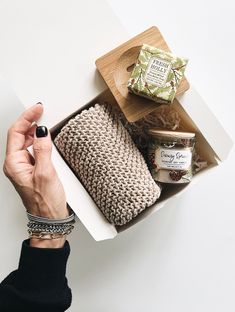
[
  {"x": 49, "y": 233},
  {"x": 50, "y": 213}
]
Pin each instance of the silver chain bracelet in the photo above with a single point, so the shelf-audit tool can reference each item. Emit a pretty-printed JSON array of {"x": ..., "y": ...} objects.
[{"x": 45, "y": 228}]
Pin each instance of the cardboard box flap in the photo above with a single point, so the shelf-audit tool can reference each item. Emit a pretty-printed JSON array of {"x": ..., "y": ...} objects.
[
  {"x": 206, "y": 122},
  {"x": 51, "y": 57}
]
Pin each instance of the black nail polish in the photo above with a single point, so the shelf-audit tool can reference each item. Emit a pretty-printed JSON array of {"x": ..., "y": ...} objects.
[{"x": 41, "y": 132}]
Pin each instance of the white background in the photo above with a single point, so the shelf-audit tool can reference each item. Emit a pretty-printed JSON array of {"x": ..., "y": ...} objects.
[{"x": 182, "y": 258}]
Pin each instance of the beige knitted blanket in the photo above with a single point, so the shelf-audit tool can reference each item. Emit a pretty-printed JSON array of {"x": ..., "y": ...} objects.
[{"x": 105, "y": 159}]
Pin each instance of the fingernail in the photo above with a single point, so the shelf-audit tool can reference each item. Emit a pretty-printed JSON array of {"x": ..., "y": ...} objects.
[
  {"x": 39, "y": 103},
  {"x": 41, "y": 132}
]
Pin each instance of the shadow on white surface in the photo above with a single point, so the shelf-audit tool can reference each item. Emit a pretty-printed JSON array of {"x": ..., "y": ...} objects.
[{"x": 12, "y": 221}]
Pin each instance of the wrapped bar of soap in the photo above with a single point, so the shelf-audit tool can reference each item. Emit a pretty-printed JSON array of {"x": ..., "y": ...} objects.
[{"x": 157, "y": 74}]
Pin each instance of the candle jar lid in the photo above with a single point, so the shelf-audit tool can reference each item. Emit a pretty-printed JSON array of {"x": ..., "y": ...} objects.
[
  {"x": 177, "y": 138},
  {"x": 168, "y": 133}
]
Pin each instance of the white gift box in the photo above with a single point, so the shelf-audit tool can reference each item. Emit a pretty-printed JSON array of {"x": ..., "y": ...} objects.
[{"x": 53, "y": 61}]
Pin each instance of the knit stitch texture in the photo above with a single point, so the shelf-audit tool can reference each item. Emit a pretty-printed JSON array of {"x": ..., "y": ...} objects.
[{"x": 104, "y": 157}]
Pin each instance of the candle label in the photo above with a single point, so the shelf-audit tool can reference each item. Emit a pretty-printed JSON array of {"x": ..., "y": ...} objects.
[
  {"x": 178, "y": 159},
  {"x": 157, "y": 71}
]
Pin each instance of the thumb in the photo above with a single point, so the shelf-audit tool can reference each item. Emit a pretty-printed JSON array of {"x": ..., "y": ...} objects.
[{"x": 42, "y": 146}]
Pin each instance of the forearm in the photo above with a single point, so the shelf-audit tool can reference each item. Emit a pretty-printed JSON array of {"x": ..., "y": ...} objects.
[{"x": 39, "y": 284}]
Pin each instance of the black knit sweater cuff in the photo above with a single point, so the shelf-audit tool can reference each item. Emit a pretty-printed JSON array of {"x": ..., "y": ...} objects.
[{"x": 42, "y": 267}]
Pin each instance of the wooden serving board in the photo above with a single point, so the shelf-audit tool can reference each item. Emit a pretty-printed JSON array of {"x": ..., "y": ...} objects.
[{"x": 115, "y": 67}]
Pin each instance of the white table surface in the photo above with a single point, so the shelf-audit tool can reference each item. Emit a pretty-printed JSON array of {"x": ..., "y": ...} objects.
[{"x": 181, "y": 259}]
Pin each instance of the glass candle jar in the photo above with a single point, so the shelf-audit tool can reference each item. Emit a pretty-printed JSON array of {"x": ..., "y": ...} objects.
[{"x": 170, "y": 155}]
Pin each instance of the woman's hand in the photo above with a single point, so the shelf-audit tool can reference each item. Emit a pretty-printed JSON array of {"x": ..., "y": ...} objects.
[{"x": 35, "y": 178}]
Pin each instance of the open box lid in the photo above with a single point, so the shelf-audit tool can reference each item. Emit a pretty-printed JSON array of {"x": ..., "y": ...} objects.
[
  {"x": 207, "y": 123},
  {"x": 49, "y": 48}
]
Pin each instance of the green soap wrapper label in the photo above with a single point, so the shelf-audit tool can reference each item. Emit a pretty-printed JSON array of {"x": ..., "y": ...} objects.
[{"x": 157, "y": 74}]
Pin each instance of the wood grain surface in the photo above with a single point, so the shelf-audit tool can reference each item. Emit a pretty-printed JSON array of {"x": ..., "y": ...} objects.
[{"x": 115, "y": 67}]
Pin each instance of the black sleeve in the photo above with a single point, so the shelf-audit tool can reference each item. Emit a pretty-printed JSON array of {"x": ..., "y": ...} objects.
[{"x": 39, "y": 284}]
